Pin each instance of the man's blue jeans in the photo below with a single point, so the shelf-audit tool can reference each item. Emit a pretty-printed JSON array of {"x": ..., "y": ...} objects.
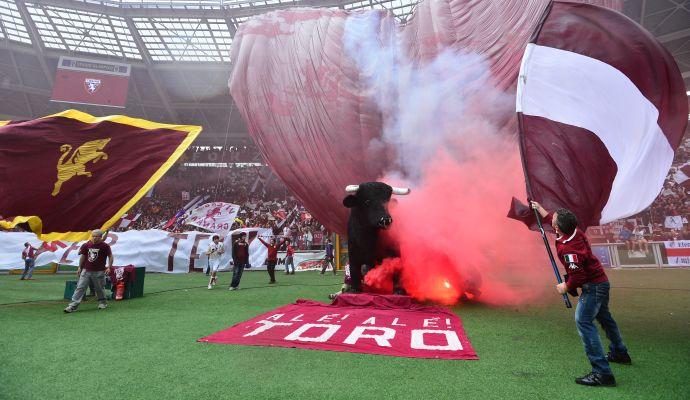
[
  {"x": 28, "y": 268},
  {"x": 237, "y": 274},
  {"x": 594, "y": 304},
  {"x": 289, "y": 262}
]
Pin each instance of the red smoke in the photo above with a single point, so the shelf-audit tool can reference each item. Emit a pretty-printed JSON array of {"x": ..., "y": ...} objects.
[{"x": 454, "y": 235}]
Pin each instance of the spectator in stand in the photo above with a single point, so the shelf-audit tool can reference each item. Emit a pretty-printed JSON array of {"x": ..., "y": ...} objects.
[
  {"x": 640, "y": 242},
  {"x": 29, "y": 256},
  {"x": 625, "y": 236},
  {"x": 309, "y": 239}
]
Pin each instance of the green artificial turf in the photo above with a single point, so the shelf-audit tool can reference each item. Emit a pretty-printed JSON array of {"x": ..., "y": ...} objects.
[{"x": 146, "y": 348}]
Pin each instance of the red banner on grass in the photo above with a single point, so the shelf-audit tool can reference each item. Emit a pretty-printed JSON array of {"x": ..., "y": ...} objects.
[{"x": 362, "y": 323}]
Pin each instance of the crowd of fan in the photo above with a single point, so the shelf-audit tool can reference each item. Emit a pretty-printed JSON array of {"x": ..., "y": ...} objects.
[
  {"x": 264, "y": 202},
  {"x": 242, "y": 179},
  {"x": 666, "y": 219}
]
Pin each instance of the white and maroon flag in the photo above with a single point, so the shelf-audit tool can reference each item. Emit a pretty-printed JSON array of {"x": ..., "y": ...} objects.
[
  {"x": 602, "y": 108},
  {"x": 682, "y": 176},
  {"x": 215, "y": 216},
  {"x": 128, "y": 219}
]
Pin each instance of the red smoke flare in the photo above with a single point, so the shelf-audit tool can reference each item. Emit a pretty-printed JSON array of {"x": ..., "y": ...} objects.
[{"x": 454, "y": 235}]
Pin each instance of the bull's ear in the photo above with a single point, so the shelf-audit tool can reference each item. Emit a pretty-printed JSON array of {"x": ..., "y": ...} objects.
[{"x": 350, "y": 201}]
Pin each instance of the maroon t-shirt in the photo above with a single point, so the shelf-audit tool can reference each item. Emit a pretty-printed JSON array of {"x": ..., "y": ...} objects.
[
  {"x": 272, "y": 250},
  {"x": 96, "y": 255},
  {"x": 576, "y": 256},
  {"x": 240, "y": 252}
]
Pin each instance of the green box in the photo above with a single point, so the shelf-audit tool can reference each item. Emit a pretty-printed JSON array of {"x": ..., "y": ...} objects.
[{"x": 70, "y": 287}]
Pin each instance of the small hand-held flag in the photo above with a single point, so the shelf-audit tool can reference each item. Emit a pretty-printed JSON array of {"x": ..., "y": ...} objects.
[{"x": 601, "y": 108}]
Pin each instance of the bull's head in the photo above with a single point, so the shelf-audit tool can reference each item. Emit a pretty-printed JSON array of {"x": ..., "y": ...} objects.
[{"x": 370, "y": 201}]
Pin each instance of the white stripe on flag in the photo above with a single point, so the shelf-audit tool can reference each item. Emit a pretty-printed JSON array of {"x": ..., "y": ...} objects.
[{"x": 581, "y": 91}]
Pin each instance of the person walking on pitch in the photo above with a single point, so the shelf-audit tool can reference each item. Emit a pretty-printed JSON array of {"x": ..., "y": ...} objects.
[{"x": 214, "y": 251}]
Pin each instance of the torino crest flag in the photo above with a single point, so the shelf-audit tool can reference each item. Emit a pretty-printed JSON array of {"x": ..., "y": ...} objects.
[
  {"x": 601, "y": 107},
  {"x": 67, "y": 173},
  {"x": 215, "y": 216},
  {"x": 85, "y": 81}
]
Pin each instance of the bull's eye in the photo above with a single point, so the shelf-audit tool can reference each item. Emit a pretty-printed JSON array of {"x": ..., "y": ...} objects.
[{"x": 367, "y": 203}]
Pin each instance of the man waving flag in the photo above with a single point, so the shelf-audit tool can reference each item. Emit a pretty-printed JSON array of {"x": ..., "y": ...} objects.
[
  {"x": 68, "y": 173},
  {"x": 602, "y": 108}
]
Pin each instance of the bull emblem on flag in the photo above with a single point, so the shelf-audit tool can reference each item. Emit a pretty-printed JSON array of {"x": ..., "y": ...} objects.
[
  {"x": 91, "y": 85},
  {"x": 211, "y": 215},
  {"x": 68, "y": 167}
]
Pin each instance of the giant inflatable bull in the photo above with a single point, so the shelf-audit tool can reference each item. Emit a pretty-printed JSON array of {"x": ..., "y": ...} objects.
[{"x": 368, "y": 204}]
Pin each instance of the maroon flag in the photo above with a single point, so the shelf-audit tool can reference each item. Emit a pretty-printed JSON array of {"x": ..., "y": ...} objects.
[
  {"x": 68, "y": 173},
  {"x": 91, "y": 82},
  {"x": 601, "y": 107}
]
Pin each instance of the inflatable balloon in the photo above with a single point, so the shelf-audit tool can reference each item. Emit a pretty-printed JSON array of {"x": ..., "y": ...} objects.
[{"x": 308, "y": 105}]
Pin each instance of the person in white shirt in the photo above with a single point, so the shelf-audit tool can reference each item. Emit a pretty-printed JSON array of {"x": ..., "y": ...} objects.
[
  {"x": 215, "y": 250},
  {"x": 640, "y": 241}
]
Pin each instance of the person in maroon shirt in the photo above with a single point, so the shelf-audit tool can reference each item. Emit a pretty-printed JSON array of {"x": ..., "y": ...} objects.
[
  {"x": 272, "y": 258},
  {"x": 92, "y": 268},
  {"x": 240, "y": 259},
  {"x": 289, "y": 257},
  {"x": 586, "y": 272}
]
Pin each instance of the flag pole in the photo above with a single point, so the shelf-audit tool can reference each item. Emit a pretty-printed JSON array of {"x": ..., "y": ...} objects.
[{"x": 530, "y": 197}]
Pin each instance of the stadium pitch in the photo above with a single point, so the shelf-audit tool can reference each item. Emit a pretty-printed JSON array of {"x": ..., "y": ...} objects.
[{"x": 146, "y": 348}]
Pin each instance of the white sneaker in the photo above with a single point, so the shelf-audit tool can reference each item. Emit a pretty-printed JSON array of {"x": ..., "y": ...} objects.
[
  {"x": 232, "y": 288},
  {"x": 102, "y": 306},
  {"x": 210, "y": 286}
]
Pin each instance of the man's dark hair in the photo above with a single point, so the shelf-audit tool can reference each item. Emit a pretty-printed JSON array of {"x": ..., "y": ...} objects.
[
  {"x": 566, "y": 221},
  {"x": 215, "y": 237}
]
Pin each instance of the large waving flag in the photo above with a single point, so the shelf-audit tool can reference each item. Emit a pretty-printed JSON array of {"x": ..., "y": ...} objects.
[
  {"x": 67, "y": 173},
  {"x": 602, "y": 108}
]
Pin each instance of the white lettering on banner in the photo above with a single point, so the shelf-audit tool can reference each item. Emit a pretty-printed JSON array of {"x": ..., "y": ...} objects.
[
  {"x": 370, "y": 321},
  {"x": 266, "y": 326},
  {"x": 297, "y": 318},
  {"x": 679, "y": 261},
  {"x": 452, "y": 340},
  {"x": 297, "y": 334},
  {"x": 431, "y": 322},
  {"x": 327, "y": 318},
  {"x": 395, "y": 322},
  {"x": 382, "y": 340},
  {"x": 275, "y": 317}
]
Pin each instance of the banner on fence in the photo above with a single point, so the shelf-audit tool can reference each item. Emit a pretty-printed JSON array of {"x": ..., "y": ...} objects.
[
  {"x": 157, "y": 250},
  {"x": 678, "y": 252}
]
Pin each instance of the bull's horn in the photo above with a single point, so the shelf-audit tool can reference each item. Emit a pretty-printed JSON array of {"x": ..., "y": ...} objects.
[
  {"x": 401, "y": 191},
  {"x": 352, "y": 188}
]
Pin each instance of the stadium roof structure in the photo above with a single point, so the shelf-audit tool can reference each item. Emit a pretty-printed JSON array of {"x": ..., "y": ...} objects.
[{"x": 179, "y": 51}]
